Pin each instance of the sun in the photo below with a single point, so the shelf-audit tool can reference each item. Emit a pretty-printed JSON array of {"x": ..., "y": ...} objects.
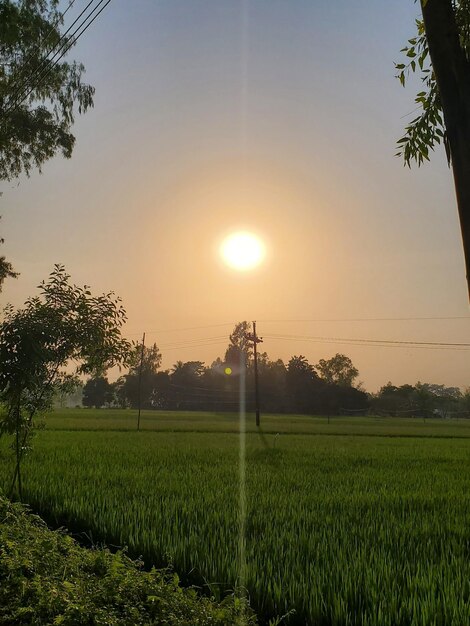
[{"x": 242, "y": 251}]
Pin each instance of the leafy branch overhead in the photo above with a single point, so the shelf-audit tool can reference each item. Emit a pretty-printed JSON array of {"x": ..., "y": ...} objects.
[
  {"x": 6, "y": 268},
  {"x": 427, "y": 129},
  {"x": 38, "y": 98},
  {"x": 441, "y": 52}
]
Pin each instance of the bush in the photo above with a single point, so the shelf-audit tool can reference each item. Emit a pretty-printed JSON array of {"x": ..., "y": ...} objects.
[{"x": 47, "y": 578}]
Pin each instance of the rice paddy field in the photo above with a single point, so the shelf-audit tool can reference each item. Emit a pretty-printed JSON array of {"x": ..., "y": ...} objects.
[{"x": 359, "y": 521}]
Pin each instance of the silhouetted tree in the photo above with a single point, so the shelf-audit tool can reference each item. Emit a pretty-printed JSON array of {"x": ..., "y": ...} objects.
[
  {"x": 97, "y": 392},
  {"x": 151, "y": 361},
  {"x": 301, "y": 383},
  {"x": 394, "y": 400},
  {"x": 185, "y": 380},
  {"x": 338, "y": 370},
  {"x": 465, "y": 402},
  {"x": 239, "y": 344},
  {"x": 127, "y": 387},
  {"x": 272, "y": 383},
  {"x": 6, "y": 268},
  {"x": 438, "y": 400}
]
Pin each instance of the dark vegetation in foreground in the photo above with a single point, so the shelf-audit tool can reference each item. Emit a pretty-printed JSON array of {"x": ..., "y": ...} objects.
[{"x": 47, "y": 578}]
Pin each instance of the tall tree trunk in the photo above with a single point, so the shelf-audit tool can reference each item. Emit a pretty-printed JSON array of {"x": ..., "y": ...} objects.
[{"x": 452, "y": 71}]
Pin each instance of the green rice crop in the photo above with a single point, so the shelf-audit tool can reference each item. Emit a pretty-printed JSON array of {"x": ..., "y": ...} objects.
[{"x": 347, "y": 529}]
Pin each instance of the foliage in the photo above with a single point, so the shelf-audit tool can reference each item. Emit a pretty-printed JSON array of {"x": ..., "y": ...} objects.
[
  {"x": 395, "y": 400},
  {"x": 38, "y": 99},
  {"x": 338, "y": 370},
  {"x": 421, "y": 400},
  {"x": 190, "y": 385},
  {"x": 6, "y": 268},
  {"x": 301, "y": 381},
  {"x": 465, "y": 401},
  {"x": 150, "y": 359},
  {"x": 357, "y": 529},
  {"x": 273, "y": 384},
  {"x": 97, "y": 392},
  {"x": 427, "y": 129},
  {"x": 239, "y": 345},
  {"x": 143, "y": 381},
  {"x": 64, "y": 332},
  {"x": 48, "y": 579}
]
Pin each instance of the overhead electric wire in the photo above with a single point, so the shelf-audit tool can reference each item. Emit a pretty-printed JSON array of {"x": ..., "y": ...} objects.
[
  {"x": 49, "y": 33},
  {"x": 375, "y": 342},
  {"x": 170, "y": 330},
  {"x": 74, "y": 37},
  {"x": 385, "y": 343},
  {"x": 37, "y": 69},
  {"x": 367, "y": 319},
  {"x": 193, "y": 344},
  {"x": 322, "y": 320},
  {"x": 72, "y": 43}
]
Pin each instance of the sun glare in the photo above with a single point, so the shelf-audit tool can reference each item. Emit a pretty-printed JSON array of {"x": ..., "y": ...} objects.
[{"x": 242, "y": 251}]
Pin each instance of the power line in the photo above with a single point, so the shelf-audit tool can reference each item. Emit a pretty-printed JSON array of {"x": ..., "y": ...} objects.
[
  {"x": 74, "y": 37},
  {"x": 376, "y": 342},
  {"x": 195, "y": 344},
  {"x": 45, "y": 60},
  {"x": 170, "y": 330},
  {"x": 370, "y": 319},
  {"x": 332, "y": 320},
  {"x": 385, "y": 343},
  {"x": 59, "y": 19}
]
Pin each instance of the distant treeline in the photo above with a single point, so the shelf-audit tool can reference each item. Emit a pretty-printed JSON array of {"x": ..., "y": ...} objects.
[
  {"x": 420, "y": 400},
  {"x": 326, "y": 388},
  {"x": 295, "y": 387}
]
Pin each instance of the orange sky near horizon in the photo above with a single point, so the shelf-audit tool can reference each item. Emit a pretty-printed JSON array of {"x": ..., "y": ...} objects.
[{"x": 271, "y": 117}]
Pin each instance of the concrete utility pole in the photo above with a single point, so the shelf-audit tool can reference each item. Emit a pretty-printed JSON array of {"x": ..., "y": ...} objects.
[
  {"x": 140, "y": 380},
  {"x": 256, "y": 340}
]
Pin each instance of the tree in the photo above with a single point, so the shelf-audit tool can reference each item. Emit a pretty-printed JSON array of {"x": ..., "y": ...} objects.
[
  {"x": 239, "y": 345},
  {"x": 437, "y": 399},
  {"x": 465, "y": 401},
  {"x": 39, "y": 93},
  {"x": 443, "y": 38},
  {"x": 338, "y": 370},
  {"x": 395, "y": 400},
  {"x": 6, "y": 268},
  {"x": 272, "y": 382},
  {"x": 140, "y": 382},
  {"x": 97, "y": 392},
  {"x": 423, "y": 400},
  {"x": 151, "y": 359},
  {"x": 47, "y": 344},
  {"x": 185, "y": 381},
  {"x": 300, "y": 384}
]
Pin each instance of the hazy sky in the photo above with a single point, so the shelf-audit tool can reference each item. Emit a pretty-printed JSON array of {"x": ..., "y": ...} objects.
[{"x": 276, "y": 117}]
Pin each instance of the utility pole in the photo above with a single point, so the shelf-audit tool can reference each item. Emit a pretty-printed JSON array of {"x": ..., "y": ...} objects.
[
  {"x": 256, "y": 340},
  {"x": 140, "y": 380}
]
